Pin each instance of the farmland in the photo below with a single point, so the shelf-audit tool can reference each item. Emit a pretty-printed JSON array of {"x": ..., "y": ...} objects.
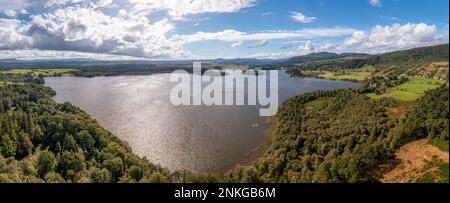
[
  {"x": 39, "y": 72},
  {"x": 411, "y": 90}
]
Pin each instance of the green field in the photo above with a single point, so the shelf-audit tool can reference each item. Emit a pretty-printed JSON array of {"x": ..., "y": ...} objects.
[
  {"x": 350, "y": 74},
  {"x": 39, "y": 72},
  {"x": 411, "y": 90}
]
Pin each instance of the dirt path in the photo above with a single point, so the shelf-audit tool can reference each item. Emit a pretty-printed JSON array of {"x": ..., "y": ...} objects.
[{"x": 412, "y": 158}]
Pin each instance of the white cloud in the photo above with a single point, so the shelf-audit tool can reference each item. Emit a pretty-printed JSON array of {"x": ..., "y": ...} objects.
[
  {"x": 327, "y": 46},
  {"x": 180, "y": 8},
  {"x": 236, "y": 36},
  {"x": 31, "y": 54},
  {"x": 393, "y": 37},
  {"x": 311, "y": 47},
  {"x": 271, "y": 55},
  {"x": 84, "y": 26},
  {"x": 10, "y": 35},
  {"x": 11, "y": 8},
  {"x": 375, "y": 2},
  {"x": 10, "y": 13},
  {"x": 299, "y": 17},
  {"x": 261, "y": 43},
  {"x": 236, "y": 44},
  {"x": 357, "y": 38},
  {"x": 90, "y": 30},
  {"x": 267, "y": 14},
  {"x": 307, "y": 48},
  {"x": 55, "y": 3},
  {"x": 84, "y": 3}
]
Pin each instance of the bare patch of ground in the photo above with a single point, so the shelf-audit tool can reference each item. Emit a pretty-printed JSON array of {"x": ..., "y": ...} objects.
[
  {"x": 410, "y": 162},
  {"x": 400, "y": 110}
]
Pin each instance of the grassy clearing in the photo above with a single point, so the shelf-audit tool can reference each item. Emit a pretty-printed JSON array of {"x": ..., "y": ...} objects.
[
  {"x": 411, "y": 90},
  {"x": 39, "y": 72},
  {"x": 349, "y": 74},
  {"x": 318, "y": 103}
]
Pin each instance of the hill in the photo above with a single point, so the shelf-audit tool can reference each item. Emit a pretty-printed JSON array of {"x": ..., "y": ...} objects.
[
  {"x": 323, "y": 56},
  {"x": 429, "y": 62}
]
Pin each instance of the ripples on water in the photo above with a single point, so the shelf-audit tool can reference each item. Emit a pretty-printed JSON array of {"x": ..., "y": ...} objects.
[{"x": 137, "y": 109}]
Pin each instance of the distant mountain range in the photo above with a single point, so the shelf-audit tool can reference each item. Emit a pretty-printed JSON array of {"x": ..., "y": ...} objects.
[
  {"x": 324, "y": 56},
  {"x": 439, "y": 52}
]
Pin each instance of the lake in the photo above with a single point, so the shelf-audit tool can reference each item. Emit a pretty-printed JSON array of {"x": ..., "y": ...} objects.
[{"x": 137, "y": 109}]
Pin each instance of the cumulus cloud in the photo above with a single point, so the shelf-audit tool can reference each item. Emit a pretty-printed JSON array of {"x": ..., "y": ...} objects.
[
  {"x": 357, "y": 38},
  {"x": 85, "y": 26},
  {"x": 375, "y": 2},
  {"x": 393, "y": 37},
  {"x": 311, "y": 47},
  {"x": 90, "y": 30},
  {"x": 299, "y": 17},
  {"x": 11, "y": 35},
  {"x": 307, "y": 48},
  {"x": 261, "y": 43}
]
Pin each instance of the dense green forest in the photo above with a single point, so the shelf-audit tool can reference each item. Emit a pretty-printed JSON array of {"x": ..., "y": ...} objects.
[
  {"x": 341, "y": 136},
  {"x": 439, "y": 52},
  {"x": 326, "y": 136},
  {"x": 430, "y": 119}
]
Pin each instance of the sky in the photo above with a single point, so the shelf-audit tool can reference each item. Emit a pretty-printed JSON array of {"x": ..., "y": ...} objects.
[{"x": 208, "y": 29}]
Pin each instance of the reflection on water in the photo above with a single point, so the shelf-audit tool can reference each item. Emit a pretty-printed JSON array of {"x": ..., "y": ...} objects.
[{"x": 138, "y": 110}]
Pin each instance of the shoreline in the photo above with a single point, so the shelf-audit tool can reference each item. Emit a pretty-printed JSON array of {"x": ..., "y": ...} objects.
[{"x": 255, "y": 154}]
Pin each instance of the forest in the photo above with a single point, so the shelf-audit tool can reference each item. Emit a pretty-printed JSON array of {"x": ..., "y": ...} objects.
[{"x": 342, "y": 136}]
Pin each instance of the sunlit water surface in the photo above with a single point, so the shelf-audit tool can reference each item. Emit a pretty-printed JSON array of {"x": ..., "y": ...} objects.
[{"x": 138, "y": 110}]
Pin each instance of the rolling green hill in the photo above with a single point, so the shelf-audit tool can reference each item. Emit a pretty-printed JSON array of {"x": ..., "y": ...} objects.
[{"x": 429, "y": 62}]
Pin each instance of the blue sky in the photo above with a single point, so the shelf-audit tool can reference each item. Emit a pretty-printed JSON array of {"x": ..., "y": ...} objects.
[{"x": 179, "y": 29}]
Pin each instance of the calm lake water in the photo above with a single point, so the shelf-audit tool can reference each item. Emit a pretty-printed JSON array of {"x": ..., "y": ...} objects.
[{"x": 138, "y": 110}]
